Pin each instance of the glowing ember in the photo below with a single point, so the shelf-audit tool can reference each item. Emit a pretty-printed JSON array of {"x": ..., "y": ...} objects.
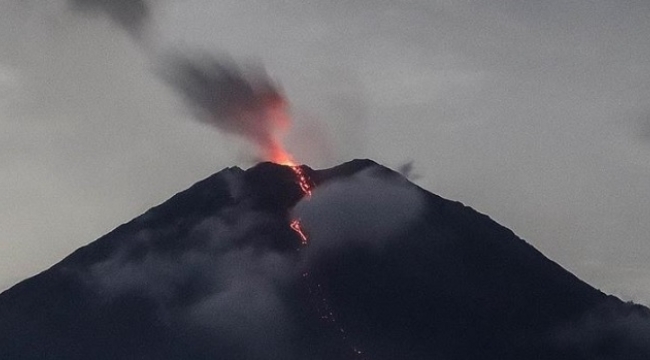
[
  {"x": 279, "y": 155},
  {"x": 305, "y": 186},
  {"x": 295, "y": 226},
  {"x": 304, "y": 182}
]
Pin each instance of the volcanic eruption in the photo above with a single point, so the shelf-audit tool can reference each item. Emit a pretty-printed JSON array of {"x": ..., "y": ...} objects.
[{"x": 284, "y": 262}]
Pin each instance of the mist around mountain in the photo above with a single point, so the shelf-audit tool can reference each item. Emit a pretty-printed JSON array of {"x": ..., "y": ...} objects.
[{"x": 391, "y": 272}]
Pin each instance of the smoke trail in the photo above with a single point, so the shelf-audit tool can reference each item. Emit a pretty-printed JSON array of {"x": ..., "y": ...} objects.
[
  {"x": 237, "y": 99},
  {"x": 406, "y": 169},
  {"x": 131, "y": 15}
]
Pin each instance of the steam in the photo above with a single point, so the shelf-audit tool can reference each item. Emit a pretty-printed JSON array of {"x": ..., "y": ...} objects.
[
  {"x": 366, "y": 209},
  {"x": 608, "y": 332},
  {"x": 223, "y": 284}
]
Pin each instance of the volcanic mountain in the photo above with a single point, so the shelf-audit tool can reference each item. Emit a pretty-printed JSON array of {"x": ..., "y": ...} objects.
[{"x": 389, "y": 271}]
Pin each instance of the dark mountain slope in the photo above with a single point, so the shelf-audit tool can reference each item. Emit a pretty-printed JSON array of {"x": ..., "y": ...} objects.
[{"x": 391, "y": 272}]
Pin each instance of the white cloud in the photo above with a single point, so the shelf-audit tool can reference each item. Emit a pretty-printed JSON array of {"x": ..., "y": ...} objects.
[{"x": 367, "y": 208}]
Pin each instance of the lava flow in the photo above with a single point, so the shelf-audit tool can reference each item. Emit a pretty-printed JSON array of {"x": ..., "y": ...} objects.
[
  {"x": 282, "y": 157},
  {"x": 276, "y": 153},
  {"x": 322, "y": 305},
  {"x": 306, "y": 186},
  {"x": 295, "y": 226}
]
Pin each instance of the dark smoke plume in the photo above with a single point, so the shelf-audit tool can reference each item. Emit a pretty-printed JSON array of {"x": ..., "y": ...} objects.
[
  {"x": 406, "y": 170},
  {"x": 237, "y": 99},
  {"x": 131, "y": 15}
]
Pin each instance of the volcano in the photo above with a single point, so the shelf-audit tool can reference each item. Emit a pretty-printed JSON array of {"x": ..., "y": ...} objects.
[{"x": 379, "y": 269}]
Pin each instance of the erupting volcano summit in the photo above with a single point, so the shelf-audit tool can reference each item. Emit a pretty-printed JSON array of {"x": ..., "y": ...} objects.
[{"x": 286, "y": 262}]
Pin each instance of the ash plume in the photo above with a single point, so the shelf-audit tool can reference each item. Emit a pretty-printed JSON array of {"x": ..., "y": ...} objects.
[
  {"x": 608, "y": 329},
  {"x": 406, "y": 170},
  {"x": 237, "y": 99},
  {"x": 131, "y": 15}
]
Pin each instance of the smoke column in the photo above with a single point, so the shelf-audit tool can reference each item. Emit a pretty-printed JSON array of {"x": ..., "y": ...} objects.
[
  {"x": 131, "y": 15},
  {"x": 238, "y": 99}
]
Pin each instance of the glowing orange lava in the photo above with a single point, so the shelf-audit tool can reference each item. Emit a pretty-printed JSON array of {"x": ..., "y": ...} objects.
[
  {"x": 280, "y": 156},
  {"x": 305, "y": 185},
  {"x": 277, "y": 154},
  {"x": 295, "y": 226},
  {"x": 304, "y": 182}
]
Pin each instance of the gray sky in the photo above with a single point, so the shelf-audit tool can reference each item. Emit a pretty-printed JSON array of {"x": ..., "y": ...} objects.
[{"x": 535, "y": 113}]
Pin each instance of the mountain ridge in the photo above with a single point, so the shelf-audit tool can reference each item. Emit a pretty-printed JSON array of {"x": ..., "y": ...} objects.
[{"x": 401, "y": 272}]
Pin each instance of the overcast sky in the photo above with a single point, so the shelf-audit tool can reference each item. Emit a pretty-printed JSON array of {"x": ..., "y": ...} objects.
[{"x": 535, "y": 113}]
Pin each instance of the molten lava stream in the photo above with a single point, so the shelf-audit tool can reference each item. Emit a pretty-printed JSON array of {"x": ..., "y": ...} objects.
[
  {"x": 275, "y": 151},
  {"x": 323, "y": 307},
  {"x": 295, "y": 226}
]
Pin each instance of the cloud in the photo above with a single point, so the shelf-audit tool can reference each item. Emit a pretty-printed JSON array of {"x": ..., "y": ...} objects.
[
  {"x": 9, "y": 84},
  {"x": 224, "y": 276},
  {"x": 249, "y": 313},
  {"x": 643, "y": 125},
  {"x": 611, "y": 331},
  {"x": 215, "y": 277},
  {"x": 366, "y": 209}
]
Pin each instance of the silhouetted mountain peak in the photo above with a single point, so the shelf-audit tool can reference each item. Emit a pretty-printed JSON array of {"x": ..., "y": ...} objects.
[{"x": 389, "y": 271}]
